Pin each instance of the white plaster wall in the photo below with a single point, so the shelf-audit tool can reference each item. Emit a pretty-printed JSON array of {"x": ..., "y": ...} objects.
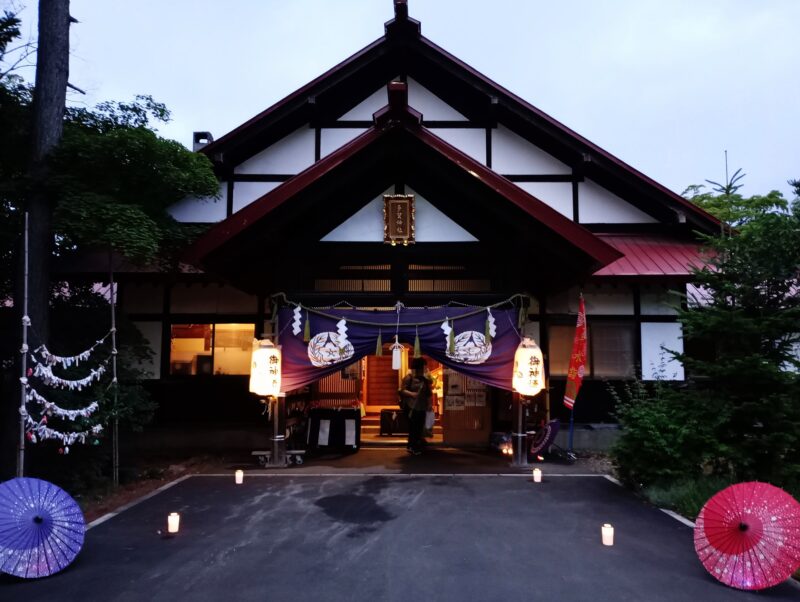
[
  {"x": 431, "y": 106},
  {"x": 657, "y": 363},
  {"x": 532, "y": 330},
  {"x": 364, "y": 110},
  {"x": 512, "y": 154},
  {"x": 608, "y": 300},
  {"x": 211, "y": 298},
  {"x": 470, "y": 141},
  {"x": 599, "y": 300},
  {"x": 245, "y": 193},
  {"x": 152, "y": 332},
  {"x": 201, "y": 209},
  {"x": 231, "y": 300},
  {"x": 565, "y": 302},
  {"x": 290, "y": 155},
  {"x": 142, "y": 298},
  {"x": 557, "y": 195},
  {"x": 334, "y": 138},
  {"x": 596, "y": 205},
  {"x": 431, "y": 225},
  {"x": 659, "y": 301}
]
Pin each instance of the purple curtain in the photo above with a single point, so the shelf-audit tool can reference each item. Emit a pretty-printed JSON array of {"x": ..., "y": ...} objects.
[{"x": 339, "y": 337}]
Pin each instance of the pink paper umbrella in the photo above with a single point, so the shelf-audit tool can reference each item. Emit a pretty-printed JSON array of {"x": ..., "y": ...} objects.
[{"x": 748, "y": 535}]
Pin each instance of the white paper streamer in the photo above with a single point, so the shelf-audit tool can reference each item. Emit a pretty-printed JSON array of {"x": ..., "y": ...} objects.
[
  {"x": 68, "y": 361},
  {"x": 296, "y": 323},
  {"x": 46, "y": 374},
  {"x": 446, "y": 329},
  {"x": 42, "y": 431},
  {"x": 50, "y": 408},
  {"x": 492, "y": 329},
  {"x": 341, "y": 328}
]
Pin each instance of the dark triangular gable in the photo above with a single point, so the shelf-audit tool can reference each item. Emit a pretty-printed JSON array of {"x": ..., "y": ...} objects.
[{"x": 404, "y": 52}]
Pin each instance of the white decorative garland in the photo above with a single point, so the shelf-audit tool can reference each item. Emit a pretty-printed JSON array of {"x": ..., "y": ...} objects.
[
  {"x": 50, "y": 408},
  {"x": 45, "y": 372},
  {"x": 68, "y": 361},
  {"x": 41, "y": 431}
]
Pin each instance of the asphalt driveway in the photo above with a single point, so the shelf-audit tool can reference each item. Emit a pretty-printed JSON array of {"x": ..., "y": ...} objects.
[{"x": 388, "y": 537}]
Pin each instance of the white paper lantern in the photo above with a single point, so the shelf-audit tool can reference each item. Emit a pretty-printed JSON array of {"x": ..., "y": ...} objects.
[
  {"x": 265, "y": 369},
  {"x": 528, "y": 376},
  {"x": 397, "y": 355}
]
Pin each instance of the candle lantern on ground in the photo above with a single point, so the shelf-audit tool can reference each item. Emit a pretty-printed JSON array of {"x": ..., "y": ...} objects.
[
  {"x": 173, "y": 523},
  {"x": 607, "y": 532},
  {"x": 239, "y": 477},
  {"x": 537, "y": 475}
]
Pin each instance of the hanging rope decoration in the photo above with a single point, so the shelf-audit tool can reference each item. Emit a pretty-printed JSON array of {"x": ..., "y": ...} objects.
[
  {"x": 52, "y": 409},
  {"x": 43, "y": 361},
  {"x": 379, "y": 345},
  {"x": 45, "y": 372},
  {"x": 320, "y": 311},
  {"x": 417, "y": 347},
  {"x": 39, "y": 431},
  {"x": 67, "y": 362}
]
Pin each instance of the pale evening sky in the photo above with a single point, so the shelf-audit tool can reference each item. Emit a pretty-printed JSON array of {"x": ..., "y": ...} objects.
[{"x": 665, "y": 85}]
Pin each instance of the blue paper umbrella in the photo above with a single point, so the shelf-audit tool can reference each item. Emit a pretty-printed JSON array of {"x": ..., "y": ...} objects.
[{"x": 41, "y": 528}]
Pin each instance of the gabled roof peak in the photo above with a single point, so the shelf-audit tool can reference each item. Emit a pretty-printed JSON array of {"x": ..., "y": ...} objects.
[
  {"x": 401, "y": 24},
  {"x": 397, "y": 111}
]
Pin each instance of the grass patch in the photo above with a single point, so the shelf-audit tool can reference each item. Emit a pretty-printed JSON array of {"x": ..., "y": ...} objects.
[{"x": 687, "y": 496}]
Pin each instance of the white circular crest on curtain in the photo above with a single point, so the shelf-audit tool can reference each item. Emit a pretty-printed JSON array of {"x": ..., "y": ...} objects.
[
  {"x": 470, "y": 348},
  {"x": 326, "y": 348}
]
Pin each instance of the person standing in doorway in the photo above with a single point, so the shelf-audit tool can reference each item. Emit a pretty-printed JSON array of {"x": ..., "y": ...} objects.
[{"x": 417, "y": 394}]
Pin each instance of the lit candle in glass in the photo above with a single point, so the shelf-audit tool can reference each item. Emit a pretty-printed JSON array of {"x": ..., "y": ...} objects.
[
  {"x": 173, "y": 522},
  {"x": 239, "y": 477},
  {"x": 608, "y": 535},
  {"x": 537, "y": 475}
]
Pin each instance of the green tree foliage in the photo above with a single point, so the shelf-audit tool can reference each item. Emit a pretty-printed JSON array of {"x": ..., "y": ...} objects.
[
  {"x": 738, "y": 417},
  {"x": 117, "y": 177},
  {"x": 724, "y": 202}
]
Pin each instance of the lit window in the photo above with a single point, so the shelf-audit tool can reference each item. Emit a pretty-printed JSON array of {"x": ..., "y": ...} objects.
[{"x": 205, "y": 349}]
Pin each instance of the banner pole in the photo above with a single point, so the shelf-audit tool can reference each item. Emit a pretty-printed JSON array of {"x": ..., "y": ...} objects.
[{"x": 571, "y": 428}]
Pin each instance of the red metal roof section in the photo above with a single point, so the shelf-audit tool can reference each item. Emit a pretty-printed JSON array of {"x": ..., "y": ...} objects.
[
  {"x": 399, "y": 115},
  {"x": 651, "y": 256}
]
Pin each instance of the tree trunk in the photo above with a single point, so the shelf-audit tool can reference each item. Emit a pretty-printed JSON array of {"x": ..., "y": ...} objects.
[{"x": 52, "y": 73}]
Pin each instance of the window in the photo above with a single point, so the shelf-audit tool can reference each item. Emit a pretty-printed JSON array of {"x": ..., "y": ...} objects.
[
  {"x": 610, "y": 351},
  {"x": 205, "y": 349},
  {"x": 561, "y": 339}
]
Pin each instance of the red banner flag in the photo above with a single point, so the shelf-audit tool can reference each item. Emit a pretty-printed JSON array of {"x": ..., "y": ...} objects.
[{"x": 577, "y": 361}]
